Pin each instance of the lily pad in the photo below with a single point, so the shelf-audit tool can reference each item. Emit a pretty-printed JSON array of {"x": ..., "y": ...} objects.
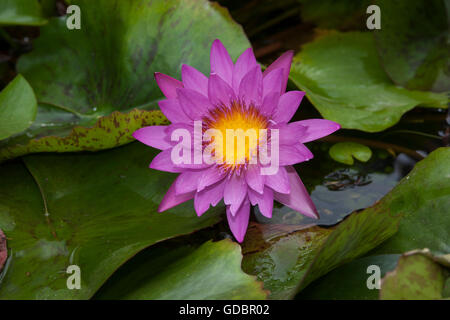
[
  {"x": 21, "y": 12},
  {"x": 344, "y": 152},
  {"x": 415, "y": 55},
  {"x": 349, "y": 282},
  {"x": 185, "y": 272},
  {"x": 91, "y": 210},
  {"x": 425, "y": 223},
  {"x": 424, "y": 206},
  {"x": 423, "y": 190},
  {"x": 345, "y": 81},
  {"x": 289, "y": 260},
  {"x": 80, "y": 76},
  {"x": 108, "y": 132},
  {"x": 17, "y": 107},
  {"x": 418, "y": 276}
]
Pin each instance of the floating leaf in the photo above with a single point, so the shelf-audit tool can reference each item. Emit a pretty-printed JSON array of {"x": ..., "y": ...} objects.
[
  {"x": 425, "y": 222},
  {"x": 91, "y": 210},
  {"x": 80, "y": 76},
  {"x": 344, "y": 152},
  {"x": 424, "y": 206},
  {"x": 422, "y": 191},
  {"x": 17, "y": 107},
  {"x": 344, "y": 80},
  {"x": 349, "y": 282},
  {"x": 21, "y": 12},
  {"x": 185, "y": 272},
  {"x": 414, "y": 43},
  {"x": 418, "y": 276},
  {"x": 287, "y": 263},
  {"x": 108, "y": 132}
]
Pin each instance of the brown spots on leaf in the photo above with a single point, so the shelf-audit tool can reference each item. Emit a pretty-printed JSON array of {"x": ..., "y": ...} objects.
[{"x": 108, "y": 132}]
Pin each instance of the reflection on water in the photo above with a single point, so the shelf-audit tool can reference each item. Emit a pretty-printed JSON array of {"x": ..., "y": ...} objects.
[{"x": 337, "y": 190}]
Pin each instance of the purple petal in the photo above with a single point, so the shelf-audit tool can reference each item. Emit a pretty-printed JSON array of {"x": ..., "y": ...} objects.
[
  {"x": 219, "y": 92},
  {"x": 171, "y": 199},
  {"x": 181, "y": 125},
  {"x": 189, "y": 146},
  {"x": 209, "y": 196},
  {"x": 273, "y": 81},
  {"x": 235, "y": 192},
  {"x": 239, "y": 222},
  {"x": 278, "y": 182},
  {"x": 292, "y": 154},
  {"x": 287, "y": 106},
  {"x": 250, "y": 89},
  {"x": 194, "y": 79},
  {"x": 187, "y": 181},
  {"x": 168, "y": 85},
  {"x": 221, "y": 62},
  {"x": 172, "y": 110},
  {"x": 254, "y": 178},
  {"x": 243, "y": 65},
  {"x": 298, "y": 199},
  {"x": 194, "y": 104},
  {"x": 291, "y": 133},
  {"x": 284, "y": 62},
  {"x": 154, "y": 136},
  {"x": 210, "y": 176},
  {"x": 192, "y": 165},
  {"x": 163, "y": 162},
  {"x": 317, "y": 128},
  {"x": 264, "y": 201},
  {"x": 270, "y": 103}
]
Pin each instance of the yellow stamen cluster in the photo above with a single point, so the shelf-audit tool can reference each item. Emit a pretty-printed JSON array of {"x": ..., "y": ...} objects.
[{"x": 240, "y": 127}]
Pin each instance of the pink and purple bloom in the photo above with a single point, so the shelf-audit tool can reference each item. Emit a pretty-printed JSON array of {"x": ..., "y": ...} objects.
[{"x": 235, "y": 96}]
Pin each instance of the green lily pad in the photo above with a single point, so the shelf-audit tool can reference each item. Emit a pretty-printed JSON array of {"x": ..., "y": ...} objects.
[
  {"x": 418, "y": 276},
  {"x": 423, "y": 190},
  {"x": 344, "y": 152},
  {"x": 185, "y": 272},
  {"x": 108, "y": 132},
  {"x": 91, "y": 210},
  {"x": 415, "y": 55},
  {"x": 288, "y": 260},
  {"x": 81, "y": 76},
  {"x": 349, "y": 282},
  {"x": 425, "y": 207},
  {"x": 425, "y": 223},
  {"x": 21, "y": 12},
  {"x": 17, "y": 107},
  {"x": 344, "y": 80}
]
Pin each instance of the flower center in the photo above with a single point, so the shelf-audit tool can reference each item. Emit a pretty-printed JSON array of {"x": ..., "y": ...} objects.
[{"x": 241, "y": 128}]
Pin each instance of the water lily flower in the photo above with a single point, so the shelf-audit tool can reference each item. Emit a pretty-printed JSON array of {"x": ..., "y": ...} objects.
[{"x": 234, "y": 96}]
